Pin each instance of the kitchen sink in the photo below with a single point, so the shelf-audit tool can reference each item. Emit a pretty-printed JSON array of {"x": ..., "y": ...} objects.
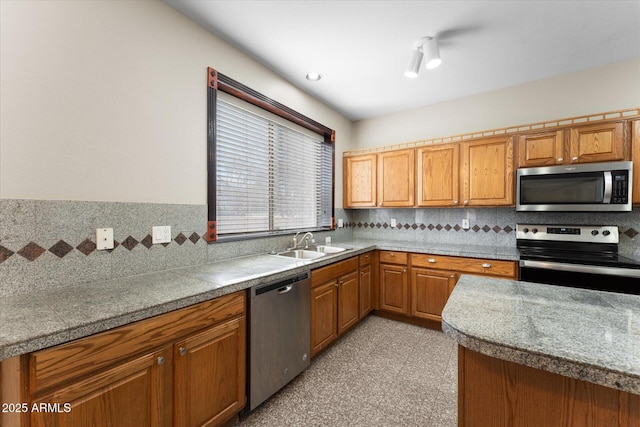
[
  {"x": 302, "y": 254},
  {"x": 329, "y": 249}
]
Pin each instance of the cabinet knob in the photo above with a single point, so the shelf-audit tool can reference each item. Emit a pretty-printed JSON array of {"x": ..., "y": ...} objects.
[
  {"x": 453, "y": 276},
  {"x": 466, "y": 202},
  {"x": 341, "y": 282},
  {"x": 404, "y": 270},
  {"x": 160, "y": 360},
  {"x": 486, "y": 265},
  {"x": 182, "y": 351},
  {"x": 560, "y": 159},
  {"x": 337, "y": 284},
  {"x": 573, "y": 159},
  {"x": 380, "y": 204},
  {"x": 392, "y": 254},
  {"x": 362, "y": 273},
  {"x": 432, "y": 261},
  {"x": 455, "y": 202}
]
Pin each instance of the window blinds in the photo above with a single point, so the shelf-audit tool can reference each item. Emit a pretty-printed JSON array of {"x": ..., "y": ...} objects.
[{"x": 270, "y": 176}]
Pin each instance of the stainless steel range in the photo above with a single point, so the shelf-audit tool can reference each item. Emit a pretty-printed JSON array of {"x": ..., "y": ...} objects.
[{"x": 583, "y": 256}]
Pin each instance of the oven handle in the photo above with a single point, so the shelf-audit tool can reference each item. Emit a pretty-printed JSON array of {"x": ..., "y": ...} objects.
[
  {"x": 608, "y": 187},
  {"x": 580, "y": 268}
]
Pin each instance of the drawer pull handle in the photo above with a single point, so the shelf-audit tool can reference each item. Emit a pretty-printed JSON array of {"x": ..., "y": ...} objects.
[
  {"x": 432, "y": 261},
  {"x": 160, "y": 360},
  {"x": 486, "y": 265}
]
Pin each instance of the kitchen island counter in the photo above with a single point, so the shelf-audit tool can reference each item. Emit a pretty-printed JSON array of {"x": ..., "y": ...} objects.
[{"x": 587, "y": 335}]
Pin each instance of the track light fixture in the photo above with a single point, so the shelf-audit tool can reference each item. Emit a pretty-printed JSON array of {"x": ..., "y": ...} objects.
[{"x": 425, "y": 47}]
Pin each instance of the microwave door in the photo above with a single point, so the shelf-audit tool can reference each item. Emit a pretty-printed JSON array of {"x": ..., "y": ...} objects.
[{"x": 563, "y": 191}]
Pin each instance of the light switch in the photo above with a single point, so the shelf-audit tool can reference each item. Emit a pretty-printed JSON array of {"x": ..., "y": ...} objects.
[
  {"x": 340, "y": 223},
  {"x": 161, "y": 234},
  {"x": 104, "y": 238}
]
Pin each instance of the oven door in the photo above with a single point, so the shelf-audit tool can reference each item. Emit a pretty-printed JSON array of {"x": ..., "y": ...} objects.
[{"x": 601, "y": 278}]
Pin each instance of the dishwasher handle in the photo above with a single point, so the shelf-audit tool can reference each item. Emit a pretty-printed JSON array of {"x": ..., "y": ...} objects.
[
  {"x": 281, "y": 286},
  {"x": 285, "y": 289}
]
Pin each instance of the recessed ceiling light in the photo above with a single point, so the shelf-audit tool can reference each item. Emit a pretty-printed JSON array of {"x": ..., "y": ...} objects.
[{"x": 313, "y": 77}]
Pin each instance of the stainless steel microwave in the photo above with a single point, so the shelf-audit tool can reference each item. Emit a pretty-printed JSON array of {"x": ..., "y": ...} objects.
[{"x": 583, "y": 187}]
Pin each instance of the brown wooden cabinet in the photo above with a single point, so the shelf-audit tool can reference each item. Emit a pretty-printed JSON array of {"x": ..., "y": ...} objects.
[
  {"x": 635, "y": 156},
  {"x": 487, "y": 172},
  {"x": 396, "y": 178},
  {"x": 438, "y": 175},
  {"x": 430, "y": 290},
  {"x": 541, "y": 149},
  {"x": 209, "y": 375},
  {"x": 597, "y": 143},
  {"x": 186, "y": 367},
  {"x": 360, "y": 181},
  {"x": 394, "y": 283},
  {"x": 335, "y": 304},
  {"x": 365, "y": 285}
]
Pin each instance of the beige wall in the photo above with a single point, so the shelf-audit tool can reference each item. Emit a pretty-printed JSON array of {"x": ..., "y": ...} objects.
[
  {"x": 596, "y": 90},
  {"x": 106, "y": 100}
]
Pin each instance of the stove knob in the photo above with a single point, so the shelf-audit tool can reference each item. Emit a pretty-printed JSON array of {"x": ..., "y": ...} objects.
[
  {"x": 534, "y": 231},
  {"x": 526, "y": 230},
  {"x": 606, "y": 232},
  {"x": 594, "y": 232}
]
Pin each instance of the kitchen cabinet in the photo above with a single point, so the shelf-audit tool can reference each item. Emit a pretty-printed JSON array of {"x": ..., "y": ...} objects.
[
  {"x": 335, "y": 305},
  {"x": 635, "y": 157},
  {"x": 438, "y": 175},
  {"x": 394, "y": 283},
  {"x": 480, "y": 266},
  {"x": 487, "y": 172},
  {"x": 182, "y": 368},
  {"x": 365, "y": 285},
  {"x": 430, "y": 290},
  {"x": 360, "y": 181},
  {"x": 597, "y": 143},
  {"x": 541, "y": 149},
  {"x": 396, "y": 178}
]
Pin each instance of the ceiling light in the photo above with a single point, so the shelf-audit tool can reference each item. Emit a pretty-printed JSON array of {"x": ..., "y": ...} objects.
[
  {"x": 424, "y": 47},
  {"x": 432, "y": 53},
  {"x": 313, "y": 77}
]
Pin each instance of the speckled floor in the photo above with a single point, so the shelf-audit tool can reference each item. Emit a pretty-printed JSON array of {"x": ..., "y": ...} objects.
[{"x": 383, "y": 373}]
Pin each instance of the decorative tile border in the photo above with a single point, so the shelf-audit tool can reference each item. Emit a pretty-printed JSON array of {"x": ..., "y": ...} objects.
[
  {"x": 447, "y": 227},
  {"x": 32, "y": 251}
]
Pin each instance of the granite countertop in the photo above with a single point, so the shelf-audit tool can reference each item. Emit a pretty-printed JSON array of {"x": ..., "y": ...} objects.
[
  {"x": 45, "y": 318},
  {"x": 589, "y": 335}
]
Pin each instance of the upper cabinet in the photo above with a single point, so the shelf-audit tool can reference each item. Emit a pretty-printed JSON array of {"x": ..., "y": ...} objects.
[
  {"x": 438, "y": 175},
  {"x": 360, "y": 182},
  {"x": 487, "y": 172},
  {"x": 596, "y": 143},
  {"x": 635, "y": 156},
  {"x": 541, "y": 149},
  {"x": 396, "y": 178}
]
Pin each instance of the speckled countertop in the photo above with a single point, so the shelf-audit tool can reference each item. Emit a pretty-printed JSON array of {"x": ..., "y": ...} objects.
[
  {"x": 45, "y": 318},
  {"x": 588, "y": 335}
]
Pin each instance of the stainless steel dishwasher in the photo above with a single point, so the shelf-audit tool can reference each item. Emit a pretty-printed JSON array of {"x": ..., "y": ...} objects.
[{"x": 279, "y": 335}]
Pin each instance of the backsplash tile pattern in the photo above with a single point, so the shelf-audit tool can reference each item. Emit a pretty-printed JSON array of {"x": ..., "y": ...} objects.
[{"x": 46, "y": 243}]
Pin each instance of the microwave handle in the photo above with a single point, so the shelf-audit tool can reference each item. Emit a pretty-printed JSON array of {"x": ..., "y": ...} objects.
[{"x": 608, "y": 185}]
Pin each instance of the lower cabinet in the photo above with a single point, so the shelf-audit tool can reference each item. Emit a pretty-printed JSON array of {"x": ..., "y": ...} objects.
[
  {"x": 394, "y": 283},
  {"x": 183, "y": 368},
  {"x": 430, "y": 290},
  {"x": 336, "y": 300}
]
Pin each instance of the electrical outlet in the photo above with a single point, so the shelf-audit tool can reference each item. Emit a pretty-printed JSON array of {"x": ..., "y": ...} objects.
[
  {"x": 340, "y": 223},
  {"x": 465, "y": 223},
  {"x": 393, "y": 223},
  {"x": 327, "y": 240},
  {"x": 161, "y": 234},
  {"x": 104, "y": 238}
]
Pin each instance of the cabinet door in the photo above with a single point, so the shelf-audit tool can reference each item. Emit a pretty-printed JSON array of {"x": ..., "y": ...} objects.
[
  {"x": 438, "y": 172},
  {"x": 430, "y": 290},
  {"x": 396, "y": 178},
  {"x": 360, "y": 181},
  {"x": 348, "y": 304},
  {"x": 487, "y": 172},
  {"x": 366, "y": 291},
  {"x": 597, "y": 143},
  {"x": 209, "y": 375},
  {"x": 541, "y": 149},
  {"x": 394, "y": 288},
  {"x": 131, "y": 394},
  {"x": 324, "y": 316}
]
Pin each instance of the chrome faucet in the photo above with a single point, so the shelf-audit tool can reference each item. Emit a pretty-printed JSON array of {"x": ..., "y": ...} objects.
[{"x": 308, "y": 236}]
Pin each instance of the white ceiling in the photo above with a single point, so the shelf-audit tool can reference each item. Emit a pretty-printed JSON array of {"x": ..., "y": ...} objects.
[{"x": 361, "y": 48}]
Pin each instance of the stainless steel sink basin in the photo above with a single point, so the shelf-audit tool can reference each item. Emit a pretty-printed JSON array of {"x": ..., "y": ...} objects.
[
  {"x": 302, "y": 254},
  {"x": 329, "y": 249}
]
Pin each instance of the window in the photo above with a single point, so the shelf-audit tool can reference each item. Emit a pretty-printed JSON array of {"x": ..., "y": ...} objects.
[{"x": 270, "y": 175}]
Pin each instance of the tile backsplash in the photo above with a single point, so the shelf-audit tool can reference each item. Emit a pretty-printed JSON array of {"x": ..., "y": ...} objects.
[{"x": 49, "y": 243}]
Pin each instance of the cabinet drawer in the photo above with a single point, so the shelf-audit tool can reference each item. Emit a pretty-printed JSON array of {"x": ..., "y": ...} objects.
[
  {"x": 393, "y": 257},
  {"x": 322, "y": 275},
  {"x": 76, "y": 358},
  {"x": 488, "y": 267},
  {"x": 365, "y": 259}
]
